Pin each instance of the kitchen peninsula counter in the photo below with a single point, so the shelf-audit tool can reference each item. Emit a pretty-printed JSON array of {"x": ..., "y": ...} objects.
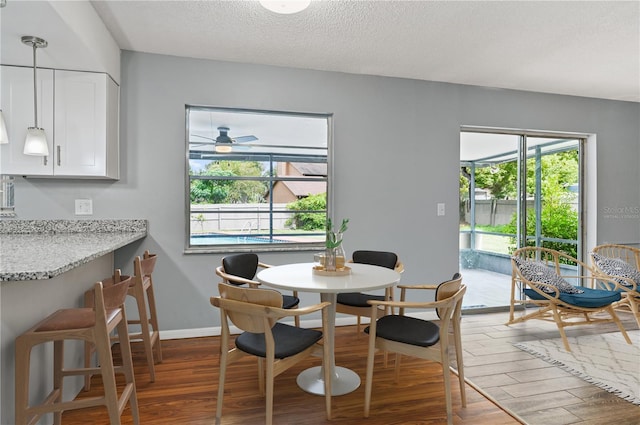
[
  {"x": 46, "y": 265},
  {"x": 43, "y": 249}
]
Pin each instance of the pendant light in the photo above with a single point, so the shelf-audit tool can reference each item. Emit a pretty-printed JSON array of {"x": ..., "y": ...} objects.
[
  {"x": 4, "y": 137},
  {"x": 36, "y": 141},
  {"x": 285, "y": 7}
]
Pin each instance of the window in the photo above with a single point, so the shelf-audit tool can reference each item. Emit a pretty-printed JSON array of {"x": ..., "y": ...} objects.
[{"x": 257, "y": 180}]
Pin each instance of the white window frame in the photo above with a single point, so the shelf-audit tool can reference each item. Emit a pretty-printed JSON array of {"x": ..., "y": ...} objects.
[{"x": 269, "y": 156}]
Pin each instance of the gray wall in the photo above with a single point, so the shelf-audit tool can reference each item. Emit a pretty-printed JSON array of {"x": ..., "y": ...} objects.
[{"x": 396, "y": 147}]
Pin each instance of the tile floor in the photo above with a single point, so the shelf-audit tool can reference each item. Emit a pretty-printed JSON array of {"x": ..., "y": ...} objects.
[
  {"x": 486, "y": 289},
  {"x": 532, "y": 389}
]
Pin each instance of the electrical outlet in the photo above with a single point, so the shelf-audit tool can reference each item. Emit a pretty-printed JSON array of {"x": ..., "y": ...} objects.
[
  {"x": 84, "y": 207},
  {"x": 440, "y": 209}
]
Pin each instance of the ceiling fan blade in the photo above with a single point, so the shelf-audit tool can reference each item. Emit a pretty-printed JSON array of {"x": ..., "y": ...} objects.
[
  {"x": 204, "y": 137},
  {"x": 243, "y": 139}
]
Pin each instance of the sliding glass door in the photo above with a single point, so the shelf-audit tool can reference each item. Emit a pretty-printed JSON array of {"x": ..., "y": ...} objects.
[{"x": 516, "y": 189}]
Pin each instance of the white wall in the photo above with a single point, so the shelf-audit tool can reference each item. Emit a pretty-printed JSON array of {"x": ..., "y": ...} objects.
[{"x": 396, "y": 147}]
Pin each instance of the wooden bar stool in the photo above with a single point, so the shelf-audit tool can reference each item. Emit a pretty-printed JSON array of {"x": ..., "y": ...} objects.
[
  {"x": 92, "y": 325},
  {"x": 142, "y": 290}
]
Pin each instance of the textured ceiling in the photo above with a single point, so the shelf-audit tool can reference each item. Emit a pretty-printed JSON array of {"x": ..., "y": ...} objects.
[{"x": 581, "y": 48}]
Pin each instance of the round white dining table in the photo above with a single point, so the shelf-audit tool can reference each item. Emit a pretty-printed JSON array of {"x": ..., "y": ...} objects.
[{"x": 300, "y": 277}]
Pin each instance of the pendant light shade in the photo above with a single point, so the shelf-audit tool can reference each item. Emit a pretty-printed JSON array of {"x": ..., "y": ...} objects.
[
  {"x": 4, "y": 137},
  {"x": 285, "y": 6},
  {"x": 36, "y": 141}
]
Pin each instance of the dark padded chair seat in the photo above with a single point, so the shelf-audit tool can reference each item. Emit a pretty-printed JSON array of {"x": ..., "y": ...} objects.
[
  {"x": 246, "y": 266},
  {"x": 591, "y": 298},
  {"x": 242, "y": 265},
  {"x": 374, "y": 258},
  {"x": 357, "y": 299},
  {"x": 289, "y": 301},
  {"x": 408, "y": 330},
  {"x": 289, "y": 340}
]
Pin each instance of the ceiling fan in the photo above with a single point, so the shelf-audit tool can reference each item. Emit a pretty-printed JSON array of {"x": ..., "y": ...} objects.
[{"x": 223, "y": 143}]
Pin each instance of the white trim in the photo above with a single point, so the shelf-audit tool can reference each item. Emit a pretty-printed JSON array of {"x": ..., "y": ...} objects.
[{"x": 311, "y": 323}]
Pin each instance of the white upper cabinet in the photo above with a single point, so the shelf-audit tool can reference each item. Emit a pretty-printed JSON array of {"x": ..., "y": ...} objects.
[
  {"x": 86, "y": 125},
  {"x": 79, "y": 115}
]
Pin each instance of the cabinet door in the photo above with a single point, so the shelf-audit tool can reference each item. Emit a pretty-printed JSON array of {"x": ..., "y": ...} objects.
[
  {"x": 80, "y": 124},
  {"x": 17, "y": 107}
]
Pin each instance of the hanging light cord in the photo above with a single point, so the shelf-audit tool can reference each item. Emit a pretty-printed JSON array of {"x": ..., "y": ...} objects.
[{"x": 35, "y": 87}]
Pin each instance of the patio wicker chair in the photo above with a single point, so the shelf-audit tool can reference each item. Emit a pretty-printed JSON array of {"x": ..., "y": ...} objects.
[
  {"x": 621, "y": 266},
  {"x": 538, "y": 273}
]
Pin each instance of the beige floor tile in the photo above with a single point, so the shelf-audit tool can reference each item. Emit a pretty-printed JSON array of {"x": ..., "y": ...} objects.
[
  {"x": 471, "y": 360},
  {"x": 498, "y": 393},
  {"x": 534, "y": 390},
  {"x": 503, "y": 367},
  {"x": 488, "y": 381},
  {"x": 539, "y": 374},
  {"x": 523, "y": 405},
  {"x": 526, "y": 389},
  {"x": 556, "y": 416}
]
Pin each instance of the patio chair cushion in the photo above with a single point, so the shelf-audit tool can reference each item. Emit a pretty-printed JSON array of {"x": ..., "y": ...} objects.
[
  {"x": 617, "y": 267},
  {"x": 536, "y": 271},
  {"x": 589, "y": 298}
]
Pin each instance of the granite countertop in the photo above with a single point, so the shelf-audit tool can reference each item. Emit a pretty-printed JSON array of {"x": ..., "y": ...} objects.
[{"x": 42, "y": 249}]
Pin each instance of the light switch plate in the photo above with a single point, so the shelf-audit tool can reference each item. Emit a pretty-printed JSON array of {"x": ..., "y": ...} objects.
[
  {"x": 84, "y": 207},
  {"x": 440, "y": 209}
]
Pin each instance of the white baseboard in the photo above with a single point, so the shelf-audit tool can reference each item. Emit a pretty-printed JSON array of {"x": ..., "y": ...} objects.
[{"x": 313, "y": 323}]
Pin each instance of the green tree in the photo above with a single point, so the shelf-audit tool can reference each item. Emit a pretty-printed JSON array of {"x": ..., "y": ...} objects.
[
  {"x": 229, "y": 191},
  {"x": 558, "y": 218},
  {"x": 500, "y": 180},
  {"x": 307, "y": 220},
  {"x": 210, "y": 191}
]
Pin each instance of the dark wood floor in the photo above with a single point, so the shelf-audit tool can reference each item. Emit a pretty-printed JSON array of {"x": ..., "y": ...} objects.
[{"x": 187, "y": 381}]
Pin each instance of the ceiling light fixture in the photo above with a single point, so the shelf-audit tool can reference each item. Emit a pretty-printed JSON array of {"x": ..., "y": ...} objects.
[
  {"x": 4, "y": 137},
  {"x": 36, "y": 141},
  {"x": 223, "y": 147},
  {"x": 286, "y": 7}
]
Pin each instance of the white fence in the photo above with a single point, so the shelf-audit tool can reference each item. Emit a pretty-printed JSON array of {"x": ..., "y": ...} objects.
[{"x": 246, "y": 218}]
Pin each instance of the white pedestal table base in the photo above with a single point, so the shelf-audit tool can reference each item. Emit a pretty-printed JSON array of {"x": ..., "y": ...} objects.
[{"x": 344, "y": 380}]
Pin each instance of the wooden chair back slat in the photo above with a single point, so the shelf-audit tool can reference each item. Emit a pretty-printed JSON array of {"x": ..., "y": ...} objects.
[{"x": 248, "y": 317}]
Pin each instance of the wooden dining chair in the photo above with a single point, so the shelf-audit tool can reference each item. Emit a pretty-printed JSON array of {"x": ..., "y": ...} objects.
[
  {"x": 411, "y": 336},
  {"x": 277, "y": 346},
  {"x": 241, "y": 269},
  {"x": 357, "y": 303}
]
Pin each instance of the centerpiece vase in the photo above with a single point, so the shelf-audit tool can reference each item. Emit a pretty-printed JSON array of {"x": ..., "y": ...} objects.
[
  {"x": 330, "y": 260},
  {"x": 335, "y": 257}
]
